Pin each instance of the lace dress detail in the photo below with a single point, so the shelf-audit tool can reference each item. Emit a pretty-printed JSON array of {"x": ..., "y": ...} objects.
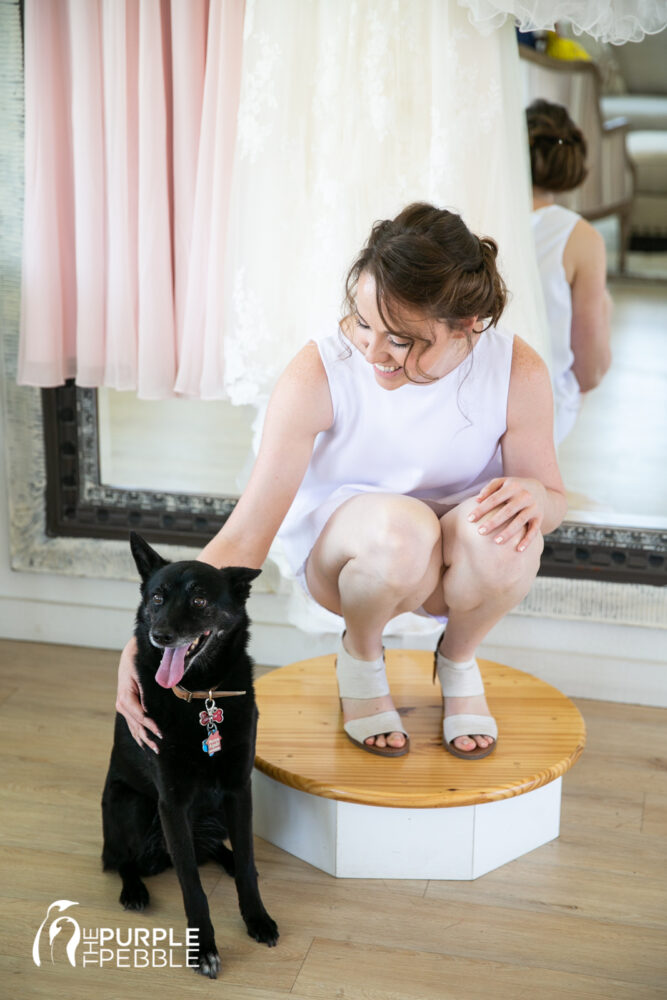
[
  {"x": 615, "y": 21},
  {"x": 348, "y": 111}
]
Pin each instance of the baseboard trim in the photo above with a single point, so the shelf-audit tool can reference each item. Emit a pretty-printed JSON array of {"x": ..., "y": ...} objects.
[{"x": 583, "y": 659}]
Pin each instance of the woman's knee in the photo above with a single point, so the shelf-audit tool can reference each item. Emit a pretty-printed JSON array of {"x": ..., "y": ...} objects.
[
  {"x": 394, "y": 538},
  {"x": 490, "y": 569}
]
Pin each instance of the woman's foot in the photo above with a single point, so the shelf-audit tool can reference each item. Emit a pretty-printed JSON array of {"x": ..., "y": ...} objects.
[
  {"x": 360, "y": 708},
  {"x": 365, "y": 708},
  {"x": 474, "y": 705},
  {"x": 465, "y": 707}
]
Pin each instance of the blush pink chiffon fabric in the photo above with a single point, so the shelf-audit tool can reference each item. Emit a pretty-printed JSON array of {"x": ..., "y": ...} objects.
[{"x": 129, "y": 142}]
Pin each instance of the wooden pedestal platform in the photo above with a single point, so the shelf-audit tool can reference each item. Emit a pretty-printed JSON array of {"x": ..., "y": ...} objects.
[{"x": 428, "y": 814}]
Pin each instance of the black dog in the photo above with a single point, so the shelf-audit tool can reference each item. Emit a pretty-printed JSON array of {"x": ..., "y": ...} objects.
[{"x": 178, "y": 806}]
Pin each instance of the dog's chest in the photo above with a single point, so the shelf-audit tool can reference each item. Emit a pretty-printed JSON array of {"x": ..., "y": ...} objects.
[{"x": 199, "y": 748}]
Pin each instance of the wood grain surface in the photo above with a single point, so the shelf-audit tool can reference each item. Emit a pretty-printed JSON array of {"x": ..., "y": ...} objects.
[{"x": 301, "y": 741}]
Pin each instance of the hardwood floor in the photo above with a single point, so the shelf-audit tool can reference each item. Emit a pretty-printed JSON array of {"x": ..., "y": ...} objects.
[{"x": 582, "y": 917}]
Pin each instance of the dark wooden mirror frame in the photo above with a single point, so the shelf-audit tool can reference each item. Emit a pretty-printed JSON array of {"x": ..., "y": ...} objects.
[{"x": 79, "y": 505}]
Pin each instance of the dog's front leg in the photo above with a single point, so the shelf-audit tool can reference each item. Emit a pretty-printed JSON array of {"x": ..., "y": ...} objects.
[
  {"x": 178, "y": 834},
  {"x": 238, "y": 813}
]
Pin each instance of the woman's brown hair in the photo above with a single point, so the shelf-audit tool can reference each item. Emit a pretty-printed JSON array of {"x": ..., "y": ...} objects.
[
  {"x": 427, "y": 259},
  {"x": 557, "y": 147}
]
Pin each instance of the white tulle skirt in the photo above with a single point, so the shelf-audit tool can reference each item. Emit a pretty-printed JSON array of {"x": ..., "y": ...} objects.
[
  {"x": 615, "y": 21},
  {"x": 348, "y": 112}
]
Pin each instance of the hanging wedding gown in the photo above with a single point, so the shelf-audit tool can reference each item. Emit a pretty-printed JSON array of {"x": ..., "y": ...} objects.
[
  {"x": 615, "y": 21},
  {"x": 349, "y": 111}
]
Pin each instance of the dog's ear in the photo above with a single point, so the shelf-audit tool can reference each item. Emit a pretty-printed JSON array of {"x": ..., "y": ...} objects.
[
  {"x": 146, "y": 558},
  {"x": 240, "y": 578}
]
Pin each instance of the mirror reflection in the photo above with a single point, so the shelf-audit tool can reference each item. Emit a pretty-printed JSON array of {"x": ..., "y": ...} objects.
[
  {"x": 612, "y": 455},
  {"x": 613, "y": 461}
]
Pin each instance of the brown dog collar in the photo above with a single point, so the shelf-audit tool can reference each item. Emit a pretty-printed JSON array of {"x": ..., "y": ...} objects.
[{"x": 186, "y": 695}]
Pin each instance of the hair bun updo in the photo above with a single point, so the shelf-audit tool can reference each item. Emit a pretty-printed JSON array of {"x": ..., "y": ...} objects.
[
  {"x": 427, "y": 258},
  {"x": 557, "y": 147}
]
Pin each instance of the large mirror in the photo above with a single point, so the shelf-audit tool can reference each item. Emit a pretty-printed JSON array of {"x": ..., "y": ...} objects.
[
  {"x": 175, "y": 467},
  {"x": 113, "y": 465},
  {"x": 613, "y": 461}
]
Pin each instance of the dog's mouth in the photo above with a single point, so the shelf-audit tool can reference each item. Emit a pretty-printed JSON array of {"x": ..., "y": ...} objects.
[{"x": 176, "y": 659}]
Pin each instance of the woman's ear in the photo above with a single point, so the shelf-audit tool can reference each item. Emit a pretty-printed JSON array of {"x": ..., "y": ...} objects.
[{"x": 466, "y": 327}]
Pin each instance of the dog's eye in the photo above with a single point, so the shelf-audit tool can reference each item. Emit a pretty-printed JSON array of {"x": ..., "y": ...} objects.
[
  {"x": 199, "y": 602},
  {"x": 158, "y": 599}
]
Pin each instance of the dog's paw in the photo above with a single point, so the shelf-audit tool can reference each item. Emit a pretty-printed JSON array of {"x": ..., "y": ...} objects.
[
  {"x": 208, "y": 963},
  {"x": 134, "y": 896},
  {"x": 263, "y": 929}
]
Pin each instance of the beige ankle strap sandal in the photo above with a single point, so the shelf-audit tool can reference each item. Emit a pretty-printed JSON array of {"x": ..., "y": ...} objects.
[
  {"x": 463, "y": 682},
  {"x": 367, "y": 679}
]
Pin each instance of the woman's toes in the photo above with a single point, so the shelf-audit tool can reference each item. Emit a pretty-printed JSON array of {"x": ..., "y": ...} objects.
[
  {"x": 383, "y": 740},
  {"x": 396, "y": 740},
  {"x": 464, "y": 743}
]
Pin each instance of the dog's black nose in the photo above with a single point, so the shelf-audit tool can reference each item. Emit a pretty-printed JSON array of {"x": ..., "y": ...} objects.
[{"x": 164, "y": 638}]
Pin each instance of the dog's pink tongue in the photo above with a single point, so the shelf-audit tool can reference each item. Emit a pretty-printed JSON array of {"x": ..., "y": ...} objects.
[{"x": 172, "y": 667}]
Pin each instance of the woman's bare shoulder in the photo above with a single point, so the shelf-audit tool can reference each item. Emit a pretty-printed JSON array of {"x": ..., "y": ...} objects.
[
  {"x": 304, "y": 387},
  {"x": 307, "y": 364},
  {"x": 584, "y": 251},
  {"x": 530, "y": 399},
  {"x": 527, "y": 365}
]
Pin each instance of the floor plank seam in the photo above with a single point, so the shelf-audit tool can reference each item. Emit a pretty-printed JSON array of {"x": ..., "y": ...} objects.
[{"x": 305, "y": 958}]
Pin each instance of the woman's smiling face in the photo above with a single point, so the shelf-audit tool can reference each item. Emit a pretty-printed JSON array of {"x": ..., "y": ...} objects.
[{"x": 437, "y": 347}]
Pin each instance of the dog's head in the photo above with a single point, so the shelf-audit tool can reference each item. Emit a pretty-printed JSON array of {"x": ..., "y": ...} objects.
[{"x": 187, "y": 607}]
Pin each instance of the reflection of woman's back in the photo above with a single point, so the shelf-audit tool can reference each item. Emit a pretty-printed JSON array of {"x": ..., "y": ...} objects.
[{"x": 571, "y": 260}]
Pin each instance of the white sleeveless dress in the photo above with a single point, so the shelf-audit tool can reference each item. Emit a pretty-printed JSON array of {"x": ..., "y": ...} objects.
[
  {"x": 439, "y": 442},
  {"x": 552, "y": 228}
]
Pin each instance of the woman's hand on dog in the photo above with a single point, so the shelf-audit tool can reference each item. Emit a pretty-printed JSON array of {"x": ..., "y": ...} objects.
[{"x": 129, "y": 700}]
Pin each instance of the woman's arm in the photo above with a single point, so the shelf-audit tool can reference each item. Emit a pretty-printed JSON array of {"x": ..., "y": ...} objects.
[
  {"x": 531, "y": 495},
  {"x": 300, "y": 407},
  {"x": 585, "y": 263}
]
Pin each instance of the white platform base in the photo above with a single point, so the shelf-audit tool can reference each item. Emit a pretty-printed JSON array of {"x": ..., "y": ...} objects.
[{"x": 349, "y": 840}]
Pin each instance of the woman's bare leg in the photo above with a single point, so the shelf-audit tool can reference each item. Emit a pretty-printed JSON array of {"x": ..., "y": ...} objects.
[
  {"x": 378, "y": 556},
  {"x": 482, "y": 582}
]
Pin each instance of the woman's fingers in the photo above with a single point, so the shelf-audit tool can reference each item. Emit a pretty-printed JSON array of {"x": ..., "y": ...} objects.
[
  {"x": 506, "y": 492},
  {"x": 139, "y": 728},
  {"x": 142, "y": 739},
  {"x": 487, "y": 499},
  {"x": 140, "y": 734},
  {"x": 516, "y": 526},
  {"x": 129, "y": 703},
  {"x": 497, "y": 517},
  {"x": 506, "y": 508},
  {"x": 491, "y": 487},
  {"x": 531, "y": 534}
]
